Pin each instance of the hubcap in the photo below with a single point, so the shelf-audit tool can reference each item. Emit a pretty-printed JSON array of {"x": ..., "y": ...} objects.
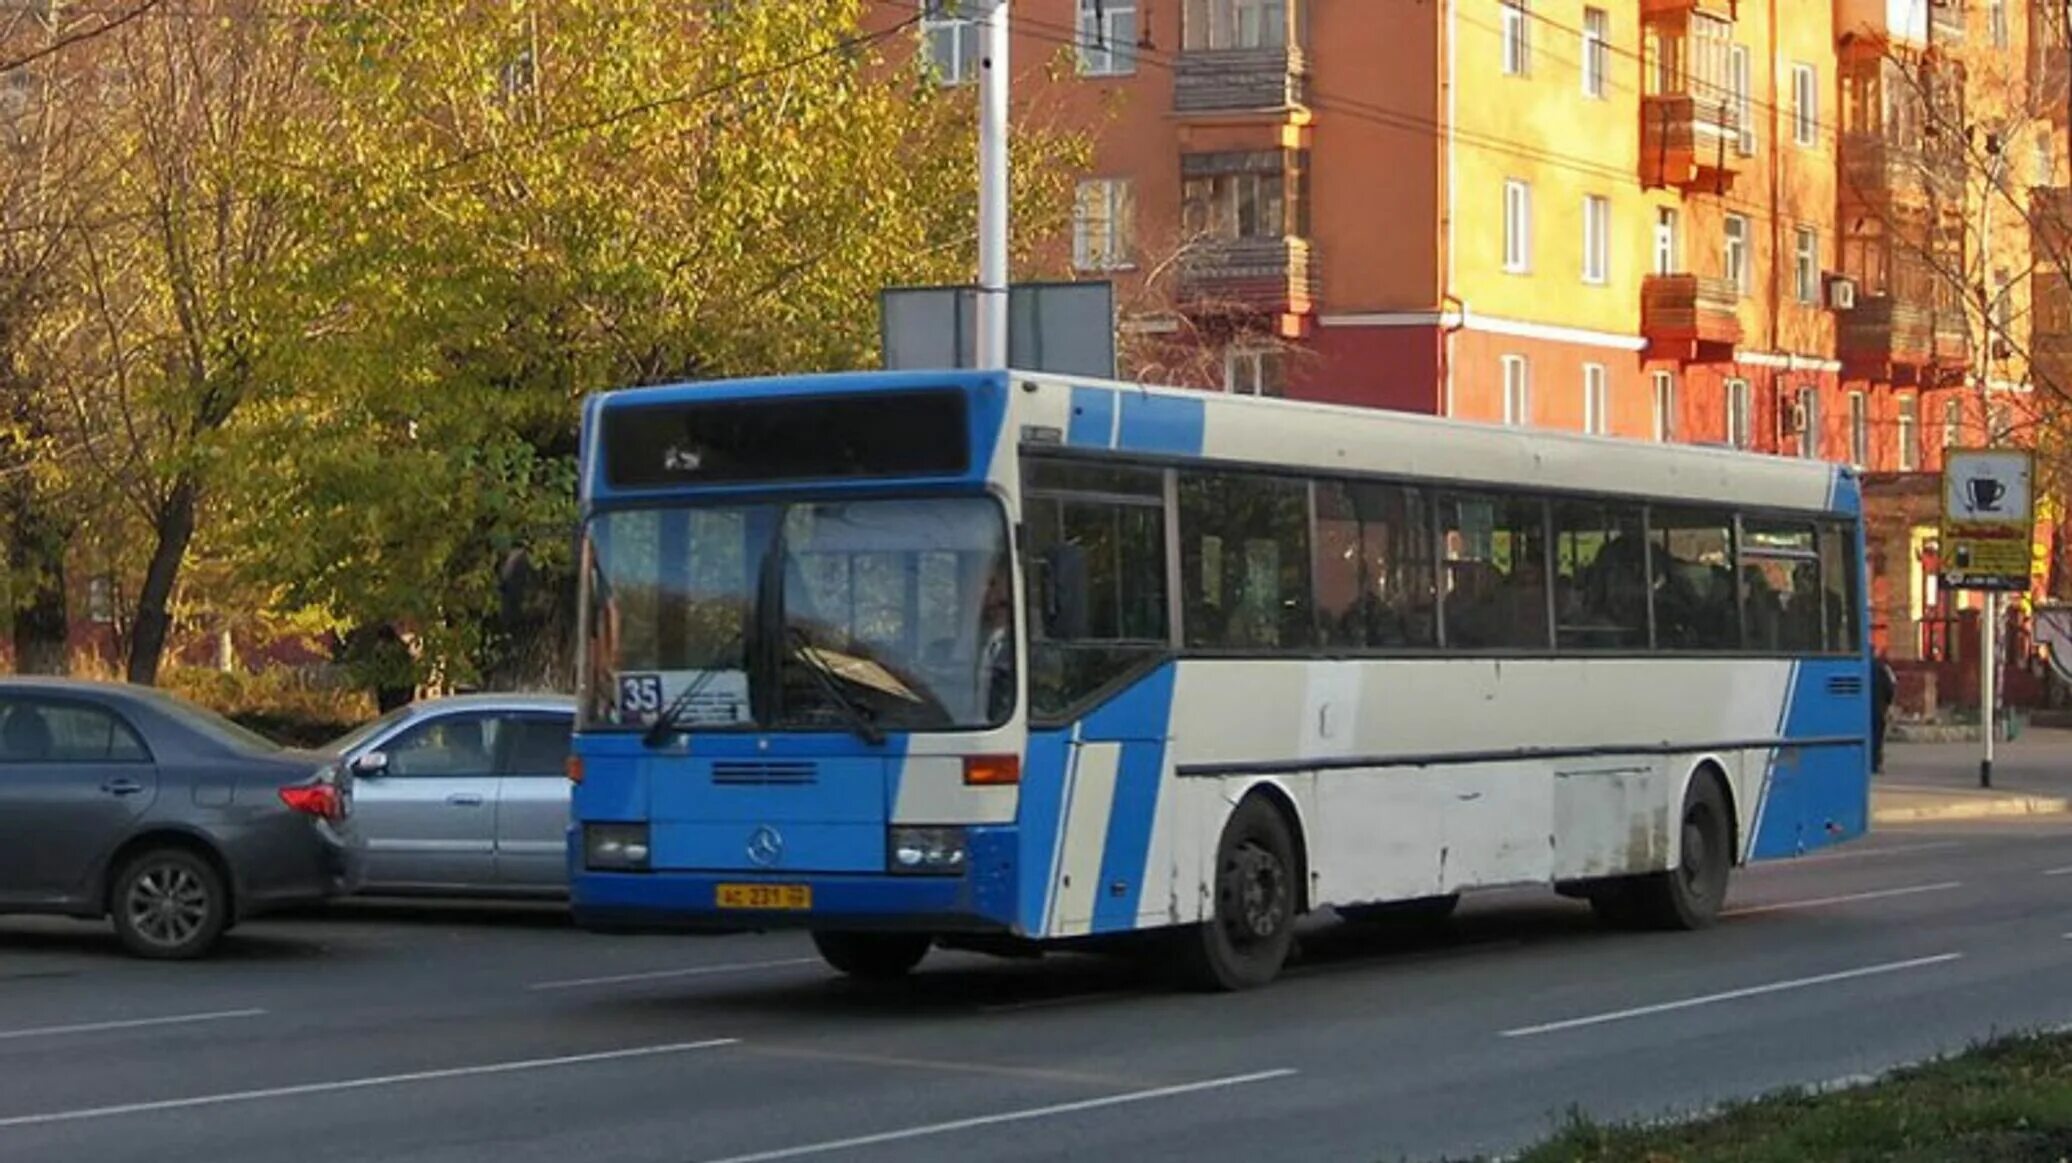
[
  {"x": 167, "y": 904},
  {"x": 1254, "y": 896}
]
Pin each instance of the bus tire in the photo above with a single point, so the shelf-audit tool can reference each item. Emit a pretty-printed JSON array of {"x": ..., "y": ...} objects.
[
  {"x": 1246, "y": 940},
  {"x": 1418, "y": 911},
  {"x": 1690, "y": 895},
  {"x": 873, "y": 956}
]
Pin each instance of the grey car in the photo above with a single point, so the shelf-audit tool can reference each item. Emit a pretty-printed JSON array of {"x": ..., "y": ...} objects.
[
  {"x": 129, "y": 803},
  {"x": 465, "y": 795}
]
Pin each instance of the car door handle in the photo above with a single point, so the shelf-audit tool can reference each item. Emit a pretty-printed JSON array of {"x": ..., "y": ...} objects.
[
  {"x": 122, "y": 787},
  {"x": 465, "y": 799}
]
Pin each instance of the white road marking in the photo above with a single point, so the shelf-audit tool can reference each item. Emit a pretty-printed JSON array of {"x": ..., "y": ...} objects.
[
  {"x": 663, "y": 974},
  {"x": 1040, "y": 1112},
  {"x": 1852, "y": 854},
  {"x": 129, "y": 1024},
  {"x": 1731, "y": 995},
  {"x": 1819, "y": 902},
  {"x": 2067, "y": 871},
  {"x": 132, "y": 1108}
]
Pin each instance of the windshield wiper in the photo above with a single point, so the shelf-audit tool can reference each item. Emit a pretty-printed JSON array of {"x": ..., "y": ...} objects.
[
  {"x": 666, "y": 724},
  {"x": 859, "y": 719}
]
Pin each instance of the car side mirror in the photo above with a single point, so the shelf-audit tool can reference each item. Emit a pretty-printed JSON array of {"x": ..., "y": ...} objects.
[{"x": 372, "y": 763}]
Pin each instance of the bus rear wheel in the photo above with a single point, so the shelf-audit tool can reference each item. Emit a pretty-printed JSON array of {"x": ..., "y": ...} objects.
[
  {"x": 1246, "y": 941},
  {"x": 873, "y": 956},
  {"x": 1690, "y": 895}
]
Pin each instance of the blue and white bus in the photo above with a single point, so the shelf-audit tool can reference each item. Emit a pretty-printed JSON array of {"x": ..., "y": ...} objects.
[{"x": 1001, "y": 661}]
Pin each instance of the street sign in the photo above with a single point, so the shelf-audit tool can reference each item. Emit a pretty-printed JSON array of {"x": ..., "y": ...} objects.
[{"x": 1989, "y": 516}]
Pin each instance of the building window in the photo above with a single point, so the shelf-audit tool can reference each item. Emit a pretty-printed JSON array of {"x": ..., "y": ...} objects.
[
  {"x": 1217, "y": 25},
  {"x": 1597, "y": 35},
  {"x": 1596, "y": 401},
  {"x": 1665, "y": 406},
  {"x": 1517, "y": 390},
  {"x": 1805, "y": 105},
  {"x": 952, "y": 40},
  {"x": 2046, "y": 158},
  {"x": 1597, "y": 238},
  {"x": 1737, "y": 252},
  {"x": 1255, "y": 372},
  {"x": 1739, "y": 427},
  {"x": 1807, "y": 421},
  {"x": 1953, "y": 423},
  {"x": 1996, "y": 21},
  {"x": 1107, "y": 37},
  {"x": 1859, "y": 431},
  {"x": 1517, "y": 34},
  {"x": 1806, "y": 264},
  {"x": 1668, "y": 241},
  {"x": 1100, "y": 225},
  {"x": 1740, "y": 96},
  {"x": 1243, "y": 203},
  {"x": 1909, "y": 433},
  {"x": 1517, "y": 226}
]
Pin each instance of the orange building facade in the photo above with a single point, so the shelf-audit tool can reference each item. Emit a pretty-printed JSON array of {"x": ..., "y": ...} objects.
[{"x": 1735, "y": 222}]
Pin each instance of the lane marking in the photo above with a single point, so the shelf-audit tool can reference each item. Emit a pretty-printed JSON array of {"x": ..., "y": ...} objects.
[
  {"x": 946, "y": 1066},
  {"x": 1854, "y": 854},
  {"x": 2066, "y": 871},
  {"x": 1731, "y": 995},
  {"x": 665, "y": 974},
  {"x": 1821, "y": 902},
  {"x": 129, "y": 1024},
  {"x": 132, "y": 1108},
  {"x": 1040, "y": 1112}
]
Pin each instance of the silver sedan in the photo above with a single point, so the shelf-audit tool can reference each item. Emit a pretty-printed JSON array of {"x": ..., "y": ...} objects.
[{"x": 465, "y": 795}]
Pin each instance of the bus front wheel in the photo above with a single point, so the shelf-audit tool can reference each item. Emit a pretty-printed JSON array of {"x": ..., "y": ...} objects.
[
  {"x": 873, "y": 956},
  {"x": 1245, "y": 942}
]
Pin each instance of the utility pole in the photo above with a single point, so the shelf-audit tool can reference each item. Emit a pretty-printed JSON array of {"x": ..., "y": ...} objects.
[
  {"x": 1989, "y": 302},
  {"x": 992, "y": 182}
]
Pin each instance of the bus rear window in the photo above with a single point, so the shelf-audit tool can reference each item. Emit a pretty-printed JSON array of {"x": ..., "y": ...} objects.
[{"x": 792, "y": 438}]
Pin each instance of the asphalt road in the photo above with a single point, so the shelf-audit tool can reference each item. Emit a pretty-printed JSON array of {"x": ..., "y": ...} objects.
[{"x": 427, "y": 1034}]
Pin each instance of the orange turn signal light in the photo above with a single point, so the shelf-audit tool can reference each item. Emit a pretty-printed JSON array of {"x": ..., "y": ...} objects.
[
  {"x": 992, "y": 770},
  {"x": 573, "y": 767}
]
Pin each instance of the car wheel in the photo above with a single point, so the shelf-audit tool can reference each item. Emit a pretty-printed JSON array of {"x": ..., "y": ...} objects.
[
  {"x": 169, "y": 904},
  {"x": 873, "y": 956}
]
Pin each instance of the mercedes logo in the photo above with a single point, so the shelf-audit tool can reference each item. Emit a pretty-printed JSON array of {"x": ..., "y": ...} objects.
[{"x": 765, "y": 846}]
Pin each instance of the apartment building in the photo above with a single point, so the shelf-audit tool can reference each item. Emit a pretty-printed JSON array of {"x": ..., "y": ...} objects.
[{"x": 1754, "y": 223}]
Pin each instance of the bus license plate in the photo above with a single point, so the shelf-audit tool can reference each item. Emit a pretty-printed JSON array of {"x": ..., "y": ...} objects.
[{"x": 766, "y": 896}]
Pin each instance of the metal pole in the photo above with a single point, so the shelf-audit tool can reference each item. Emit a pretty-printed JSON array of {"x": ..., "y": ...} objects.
[
  {"x": 992, "y": 183},
  {"x": 1988, "y": 671},
  {"x": 1989, "y": 303}
]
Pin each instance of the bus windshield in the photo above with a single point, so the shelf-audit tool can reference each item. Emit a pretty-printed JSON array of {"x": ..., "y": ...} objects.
[{"x": 802, "y": 616}]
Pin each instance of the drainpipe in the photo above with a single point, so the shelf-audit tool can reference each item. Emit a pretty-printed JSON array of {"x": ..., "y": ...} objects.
[{"x": 1446, "y": 286}]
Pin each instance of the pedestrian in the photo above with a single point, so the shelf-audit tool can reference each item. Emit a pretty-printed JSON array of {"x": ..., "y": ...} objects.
[{"x": 1884, "y": 685}]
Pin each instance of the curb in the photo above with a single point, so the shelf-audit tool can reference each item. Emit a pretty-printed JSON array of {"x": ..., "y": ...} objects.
[{"x": 1970, "y": 808}]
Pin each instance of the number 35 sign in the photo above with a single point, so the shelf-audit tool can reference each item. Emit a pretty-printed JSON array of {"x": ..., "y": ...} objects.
[{"x": 1989, "y": 515}]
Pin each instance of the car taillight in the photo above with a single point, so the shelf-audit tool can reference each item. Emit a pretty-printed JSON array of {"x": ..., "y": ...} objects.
[{"x": 318, "y": 799}]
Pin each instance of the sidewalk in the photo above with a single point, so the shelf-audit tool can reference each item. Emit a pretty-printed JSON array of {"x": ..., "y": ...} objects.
[{"x": 1939, "y": 781}]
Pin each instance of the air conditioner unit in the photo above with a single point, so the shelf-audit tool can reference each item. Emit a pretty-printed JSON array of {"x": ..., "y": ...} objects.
[{"x": 1841, "y": 294}]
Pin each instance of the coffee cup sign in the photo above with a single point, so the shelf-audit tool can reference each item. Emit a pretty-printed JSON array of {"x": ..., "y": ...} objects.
[{"x": 1988, "y": 518}]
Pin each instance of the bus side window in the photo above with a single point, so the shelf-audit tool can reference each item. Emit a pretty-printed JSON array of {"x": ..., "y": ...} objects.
[
  {"x": 1096, "y": 584},
  {"x": 1838, "y": 579}
]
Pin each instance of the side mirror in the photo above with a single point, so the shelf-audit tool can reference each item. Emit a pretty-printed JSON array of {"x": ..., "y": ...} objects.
[
  {"x": 372, "y": 763},
  {"x": 1061, "y": 592}
]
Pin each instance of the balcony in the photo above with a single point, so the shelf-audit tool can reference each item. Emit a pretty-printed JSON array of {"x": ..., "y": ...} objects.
[
  {"x": 1657, "y": 9},
  {"x": 1688, "y": 141},
  {"x": 1690, "y": 317},
  {"x": 1250, "y": 276},
  {"x": 1881, "y": 172},
  {"x": 1900, "y": 341},
  {"x": 1249, "y": 80}
]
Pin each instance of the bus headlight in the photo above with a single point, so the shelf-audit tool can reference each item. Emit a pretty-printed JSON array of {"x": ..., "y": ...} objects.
[
  {"x": 615, "y": 847},
  {"x": 928, "y": 851}
]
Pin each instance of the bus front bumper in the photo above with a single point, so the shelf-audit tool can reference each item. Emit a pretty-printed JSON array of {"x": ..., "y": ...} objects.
[{"x": 980, "y": 900}]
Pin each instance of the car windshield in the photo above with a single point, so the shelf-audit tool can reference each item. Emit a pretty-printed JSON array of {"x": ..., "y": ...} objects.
[
  {"x": 358, "y": 735},
  {"x": 807, "y": 615}
]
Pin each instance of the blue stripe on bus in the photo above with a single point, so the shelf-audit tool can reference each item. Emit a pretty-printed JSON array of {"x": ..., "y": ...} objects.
[
  {"x": 1819, "y": 795},
  {"x": 1140, "y": 719},
  {"x": 1093, "y": 418},
  {"x": 1169, "y": 424},
  {"x": 1039, "y": 816}
]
